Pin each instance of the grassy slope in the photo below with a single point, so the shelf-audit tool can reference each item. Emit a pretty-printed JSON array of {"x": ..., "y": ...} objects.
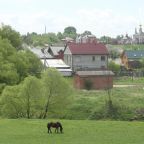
[{"x": 75, "y": 132}]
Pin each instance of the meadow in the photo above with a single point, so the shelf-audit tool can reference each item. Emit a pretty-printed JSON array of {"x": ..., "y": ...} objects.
[
  {"x": 92, "y": 104},
  {"x": 22, "y": 131}
]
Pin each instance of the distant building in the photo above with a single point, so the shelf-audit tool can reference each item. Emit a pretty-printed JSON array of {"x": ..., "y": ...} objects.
[
  {"x": 125, "y": 40},
  {"x": 86, "y": 39},
  {"x": 131, "y": 59},
  {"x": 138, "y": 37}
]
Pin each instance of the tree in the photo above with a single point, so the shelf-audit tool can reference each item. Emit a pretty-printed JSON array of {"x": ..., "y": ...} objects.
[
  {"x": 31, "y": 95},
  {"x": 8, "y": 72},
  {"x": 114, "y": 67},
  {"x": 11, "y": 104},
  {"x": 70, "y": 32},
  {"x": 23, "y": 100},
  {"x": 86, "y": 33},
  {"x": 60, "y": 36},
  {"x": 6, "y": 32},
  {"x": 56, "y": 91}
]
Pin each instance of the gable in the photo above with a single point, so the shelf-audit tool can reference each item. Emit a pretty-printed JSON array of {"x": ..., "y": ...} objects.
[{"x": 67, "y": 50}]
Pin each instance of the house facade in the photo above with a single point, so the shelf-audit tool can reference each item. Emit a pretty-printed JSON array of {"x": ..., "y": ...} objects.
[{"x": 86, "y": 56}]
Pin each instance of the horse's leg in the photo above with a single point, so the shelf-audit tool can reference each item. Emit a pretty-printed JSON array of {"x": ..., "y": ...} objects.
[
  {"x": 56, "y": 130},
  {"x": 49, "y": 130}
]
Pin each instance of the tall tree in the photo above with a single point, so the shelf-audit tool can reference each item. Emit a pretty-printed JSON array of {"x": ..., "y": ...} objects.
[
  {"x": 31, "y": 95},
  {"x": 86, "y": 33},
  {"x": 11, "y": 104},
  {"x": 70, "y": 32},
  {"x": 6, "y": 32},
  {"x": 56, "y": 91}
]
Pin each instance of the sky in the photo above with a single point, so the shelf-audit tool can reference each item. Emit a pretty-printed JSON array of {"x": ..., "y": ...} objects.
[{"x": 101, "y": 17}]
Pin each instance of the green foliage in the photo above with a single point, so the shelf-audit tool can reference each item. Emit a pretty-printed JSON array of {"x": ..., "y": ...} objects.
[
  {"x": 88, "y": 84},
  {"x": 34, "y": 97},
  {"x": 56, "y": 90},
  {"x": 6, "y": 32},
  {"x": 22, "y": 100},
  {"x": 86, "y": 33},
  {"x": 16, "y": 65},
  {"x": 11, "y": 105},
  {"x": 114, "y": 67},
  {"x": 31, "y": 95},
  {"x": 40, "y": 40},
  {"x": 70, "y": 31}
]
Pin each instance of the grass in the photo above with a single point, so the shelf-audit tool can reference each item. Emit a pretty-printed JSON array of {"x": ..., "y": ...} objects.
[
  {"x": 75, "y": 132},
  {"x": 86, "y": 102},
  {"x": 128, "y": 80}
]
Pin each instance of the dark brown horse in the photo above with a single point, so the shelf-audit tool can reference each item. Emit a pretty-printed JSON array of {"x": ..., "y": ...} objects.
[{"x": 58, "y": 127}]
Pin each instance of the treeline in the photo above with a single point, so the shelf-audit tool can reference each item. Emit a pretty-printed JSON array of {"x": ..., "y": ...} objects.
[{"x": 35, "y": 39}]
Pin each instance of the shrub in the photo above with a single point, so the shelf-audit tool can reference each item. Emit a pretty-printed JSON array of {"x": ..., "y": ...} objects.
[{"x": 88, "y": 84}]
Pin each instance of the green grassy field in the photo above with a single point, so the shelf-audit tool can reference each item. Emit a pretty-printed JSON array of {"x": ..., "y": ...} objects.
[{"x": 75, "y": 132}]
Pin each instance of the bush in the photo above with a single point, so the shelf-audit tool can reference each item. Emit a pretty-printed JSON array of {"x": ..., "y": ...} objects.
[
  {"x": 88, "y": 84},
  {"x": 111, "y": 111}
]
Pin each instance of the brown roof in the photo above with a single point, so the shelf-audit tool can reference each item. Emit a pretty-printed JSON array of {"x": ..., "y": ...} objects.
[{"x": 88, "y": 48}]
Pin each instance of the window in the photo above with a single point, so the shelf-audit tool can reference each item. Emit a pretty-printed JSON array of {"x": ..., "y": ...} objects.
[
  {"x": 93, "y": 58},
  {"x": 102, "y": 58}
]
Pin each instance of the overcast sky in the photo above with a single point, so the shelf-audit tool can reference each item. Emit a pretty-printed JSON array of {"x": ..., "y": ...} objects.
[{"x": 101, "y": 17}]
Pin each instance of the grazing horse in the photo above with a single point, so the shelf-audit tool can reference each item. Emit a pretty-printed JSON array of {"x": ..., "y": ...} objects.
[{"x": 58, "y": 127}]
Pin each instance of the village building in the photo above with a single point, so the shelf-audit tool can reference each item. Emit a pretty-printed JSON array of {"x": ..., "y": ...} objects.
[
  {"x": 58, "y": 64},
  {"x": 94, "y": 79},
  {"x": 89, "y": 61},
  {"x": 49, "y": 60},
  {"x": 138, "y": 37},
  {"x": 131, "y": 58},
  {"x": 86, "y": 56}
]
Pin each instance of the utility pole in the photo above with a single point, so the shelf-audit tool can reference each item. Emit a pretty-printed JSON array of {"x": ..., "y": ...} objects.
[{"x": 45, "y": 30}]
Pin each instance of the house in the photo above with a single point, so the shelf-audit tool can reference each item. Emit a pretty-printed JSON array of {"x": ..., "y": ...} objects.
[
  {"x": 86, "y": 56},
  {"x": 56, "y": 52},
  {"x": 131, "y": 58},
  {"x": 49, "y": 61},
  {"x": 93, "y": 79},
  {"x": 59, "y": 65}
]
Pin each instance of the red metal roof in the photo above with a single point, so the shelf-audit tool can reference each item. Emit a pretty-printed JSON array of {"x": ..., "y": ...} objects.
[{"x": 88, "y": 48}]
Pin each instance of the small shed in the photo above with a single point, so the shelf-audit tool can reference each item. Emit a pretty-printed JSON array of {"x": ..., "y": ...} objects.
[{"x": 93, "y": 79}]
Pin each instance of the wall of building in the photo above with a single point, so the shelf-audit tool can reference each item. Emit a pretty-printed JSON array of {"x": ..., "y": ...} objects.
[
  {"x": 98, "y": 82},
  {"x": 85, "y": 62}
]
